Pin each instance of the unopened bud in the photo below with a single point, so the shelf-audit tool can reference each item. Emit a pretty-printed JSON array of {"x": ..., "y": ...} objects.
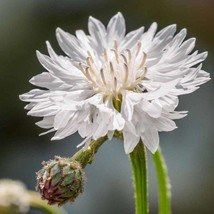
[{"x": 60, "y": 181}]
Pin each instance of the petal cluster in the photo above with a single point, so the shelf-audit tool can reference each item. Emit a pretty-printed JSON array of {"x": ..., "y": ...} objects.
[
  {"x": 143, "y": 71},
  {"x": 14, "y": 197}
]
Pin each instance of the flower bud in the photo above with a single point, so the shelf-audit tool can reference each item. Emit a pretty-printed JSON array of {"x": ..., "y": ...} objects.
[{"x": 60, "y": 181}]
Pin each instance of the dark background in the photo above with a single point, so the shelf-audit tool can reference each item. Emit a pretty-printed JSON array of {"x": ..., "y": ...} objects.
[{"x": 25, "y": 25}]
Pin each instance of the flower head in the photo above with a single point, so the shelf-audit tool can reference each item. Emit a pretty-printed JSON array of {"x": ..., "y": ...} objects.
[
  {"x": 14, "y": 197},
  {"x": 110, "y": 81},
  {"x": 60, "y": 181}
]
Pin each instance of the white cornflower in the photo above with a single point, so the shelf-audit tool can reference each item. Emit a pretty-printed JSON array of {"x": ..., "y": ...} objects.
[
  {"x": 111, "y": 81},
  {"x": 14, "y": 197}
]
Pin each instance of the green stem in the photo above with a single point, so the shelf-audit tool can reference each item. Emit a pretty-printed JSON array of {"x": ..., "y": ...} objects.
[
  {"x": 163, "y": 183},
  {"x": 86, "y": 156},
  {"x": 37, "y": 202},
  {"x": 139, "y": 168}
]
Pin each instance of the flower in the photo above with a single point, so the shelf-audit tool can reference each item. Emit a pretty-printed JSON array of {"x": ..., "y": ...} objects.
[
  {"x": 111, "y": 81},
  {"x": 14, "y": 197}
]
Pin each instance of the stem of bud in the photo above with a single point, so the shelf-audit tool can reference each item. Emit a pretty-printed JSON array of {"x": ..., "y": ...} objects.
[
  {"x": 86, "y": 156},
  {"x": 37, "y": 202}
]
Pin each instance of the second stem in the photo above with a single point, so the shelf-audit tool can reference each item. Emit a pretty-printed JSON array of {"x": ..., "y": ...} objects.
[{"x": 139, "y": 168}]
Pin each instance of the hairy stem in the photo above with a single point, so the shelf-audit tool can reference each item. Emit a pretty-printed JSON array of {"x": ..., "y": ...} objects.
[
  {"x": 163, "y": 183},
  {"x": 37, "y": 202},
  {"x": 85, "y": 156},
  {"x": 139, "y": 168}
]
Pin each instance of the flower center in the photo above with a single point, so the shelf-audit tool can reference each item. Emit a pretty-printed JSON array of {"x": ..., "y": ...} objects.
[{"x": 115, "y": 70}]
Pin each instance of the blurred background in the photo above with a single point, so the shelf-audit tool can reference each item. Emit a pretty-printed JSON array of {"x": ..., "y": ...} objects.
[{"x": 25, "y": 25}]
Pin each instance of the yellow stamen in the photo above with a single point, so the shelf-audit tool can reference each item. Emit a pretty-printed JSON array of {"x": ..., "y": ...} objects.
[
  {"x": 138, "y": 48},
  {"x": 115, "y": 45},
  {"x": 139, "y": 79},
  {"x": 89, "y": 62},
  {"x": 116, "y": 55},
  {"x": 129, "y": 54},
  {"x": 126, "y": 72},
  {"x": 124, "y": 58},
  {"x": 102, "y": 76},
  {"x": 106, "y": 55},
  {"x": 111, "y": 68},
  {"x": 115, "y": 83},
  {"x": 81, "y": 68},
  {"x": 89, "y": 54},
  {"x": 89, "y": 76},
  {"x": 143, "y": 61}
]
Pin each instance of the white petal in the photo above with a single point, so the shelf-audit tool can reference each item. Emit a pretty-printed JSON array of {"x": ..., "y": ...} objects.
[
  {"x": 47, "y": 132},
  {"x": 43, "y": 110},
  {"x": 46, "y": 123},
  {"x": 166, "y": 32},
  {"x": 176, "y": 115},
  {"x": 85, "y": 129},
  {"x": 130, "y": 141},
  {"x": 33, "y": 93},
  {"x": 65, "y": 75},
  {"x": 97, "y": 31},
  {"x": 70, "y": 45},
  {"x": 162, "y": 90},
  {"x": 110, "y": 134},
  {"x": 62, "y": 118},
  {"x": 46, "y": 80},
  {"x": 196, "y": 59},
  {"x": 132, "y": 38},
  {"x": 168, "y": 102},
  {"x": 161, "y": 39},
  {"x": 151, "y": 139},
  {"x": 164, "y": 124},
  {"x": 112, "y": 118},
  {"x": 84, "y": 142},
  {"x": 152, "y": 108},
  {"x": 101, "y": 130},
  {"x": 68, "y": 130},
  {"x": 116, "y": 28},
  {"x": 84, "y": 40},
  {"x": 172, "y": 47},
  {"x": 130, "y": 99},
  {"x": 148, "y": 36}
]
